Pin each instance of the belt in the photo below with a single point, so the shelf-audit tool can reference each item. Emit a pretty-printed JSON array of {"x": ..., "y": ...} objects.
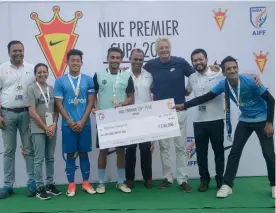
[{"x": 16, "y": 110}]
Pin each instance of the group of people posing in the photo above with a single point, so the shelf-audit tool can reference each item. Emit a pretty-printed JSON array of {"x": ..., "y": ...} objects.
[{"x": 31, "y": 106}]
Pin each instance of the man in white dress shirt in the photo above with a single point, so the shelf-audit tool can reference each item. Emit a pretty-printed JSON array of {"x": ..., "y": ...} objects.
[
  {"x": 142, "y": 82},
  {"x": 209, "y": 119},
  {"x": 15, "y": 77}
]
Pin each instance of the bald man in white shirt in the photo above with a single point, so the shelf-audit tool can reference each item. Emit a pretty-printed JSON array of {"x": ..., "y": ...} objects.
[{"x": 143, "y": 83}]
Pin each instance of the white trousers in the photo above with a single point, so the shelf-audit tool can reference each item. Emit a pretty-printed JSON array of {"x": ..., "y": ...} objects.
[{"x": 180, "y": 150}]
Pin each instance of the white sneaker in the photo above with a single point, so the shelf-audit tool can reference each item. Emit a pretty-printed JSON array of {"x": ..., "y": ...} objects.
[
  {"x": 100, "y": 188},
  {"x": 123, "y": 188},
  {"x": 274, "y": 191},
  {"x": 224, "y": 191}
]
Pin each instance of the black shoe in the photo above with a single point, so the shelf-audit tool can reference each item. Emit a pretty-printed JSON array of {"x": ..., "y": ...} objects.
[
  {"x": 204, "y": 185},
  {"x": 148, "y": 184},
  {"x": 42, "y": 194},
  {"x": 51, "y": 189}
]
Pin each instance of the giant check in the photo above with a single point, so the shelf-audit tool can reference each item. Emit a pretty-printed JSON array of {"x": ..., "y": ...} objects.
[{"x": 137, "y": 123}]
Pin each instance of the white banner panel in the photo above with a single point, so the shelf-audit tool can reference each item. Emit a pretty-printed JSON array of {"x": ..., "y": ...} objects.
[{"x": 244, "y": 30}]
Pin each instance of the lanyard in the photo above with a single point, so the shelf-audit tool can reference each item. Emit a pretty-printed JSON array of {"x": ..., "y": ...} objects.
[
  {"x": 47, "y": 101},
  {"x": 237, "y": 98},
  {"x": 76, "y": 89},
  {"x": 18, "y": 74},
  {"x": 202, "y": 84},
  {"x": 116, "y": 82}
]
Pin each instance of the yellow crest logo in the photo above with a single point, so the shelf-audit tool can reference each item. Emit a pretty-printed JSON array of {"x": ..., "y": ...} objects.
[
  {"x": 220, "y": 17},
  {"x": 261, "y": 60},
  {"x": 56, "y": 38}
]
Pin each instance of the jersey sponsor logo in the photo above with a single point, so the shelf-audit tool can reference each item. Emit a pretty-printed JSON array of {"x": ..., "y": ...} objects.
[
  {"x": 56, "y": 38},
  {"x": 261, "y": 60},
  {"x": 80, "y": 100},
  {"x": 220, "y": 17}
]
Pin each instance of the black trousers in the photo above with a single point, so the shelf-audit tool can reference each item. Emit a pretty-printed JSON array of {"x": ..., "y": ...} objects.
[
  {"x": 146, "y": 161},
  {"x": 242, "y": 133},
  {"x": 213, "y": 131}
]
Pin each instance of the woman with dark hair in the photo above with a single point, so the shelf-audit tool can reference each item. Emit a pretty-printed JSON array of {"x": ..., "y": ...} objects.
[{"x": 43, "y": 129}]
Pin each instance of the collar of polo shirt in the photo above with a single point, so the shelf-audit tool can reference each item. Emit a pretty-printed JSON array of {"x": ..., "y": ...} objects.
[
  {"x": 142, "y": 70},
  {"x": 22, "y": 65},
  {"x": 206, "y": 73}
]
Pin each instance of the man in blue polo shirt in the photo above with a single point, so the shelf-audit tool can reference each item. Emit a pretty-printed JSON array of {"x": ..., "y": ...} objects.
[
  {"x": 168, "y": 74},
  {"x": 256, "y": 107},
  {"x": 75, "y": 96}
]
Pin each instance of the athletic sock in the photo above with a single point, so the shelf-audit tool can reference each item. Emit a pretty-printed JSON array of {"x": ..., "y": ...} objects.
[
  {"x": 70, "y": 169},
  {"x": 85, "y": 167},
  {"x": 121, "y": 175},
  {"x": 101, "y": 173}
]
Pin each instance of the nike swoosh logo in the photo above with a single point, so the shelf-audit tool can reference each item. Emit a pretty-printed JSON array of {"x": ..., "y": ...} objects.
[{"x": 55, "y": 43}]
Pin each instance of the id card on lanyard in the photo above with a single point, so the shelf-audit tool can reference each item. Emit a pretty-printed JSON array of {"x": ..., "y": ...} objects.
[
  {"x": 19, "y": 87},
  {"x": 48, "y": 116}
]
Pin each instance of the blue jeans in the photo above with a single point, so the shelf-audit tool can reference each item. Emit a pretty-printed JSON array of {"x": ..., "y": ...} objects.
[
  {"x": 44, "y": 148},
  {"x": 13, "y": 122}
]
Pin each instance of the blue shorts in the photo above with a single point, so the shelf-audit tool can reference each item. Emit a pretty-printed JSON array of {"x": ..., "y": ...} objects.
[{"x": 76, "y": 141}]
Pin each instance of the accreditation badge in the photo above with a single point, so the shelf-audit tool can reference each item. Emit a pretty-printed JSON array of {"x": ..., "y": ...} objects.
[{"x": 49, "y": 118}]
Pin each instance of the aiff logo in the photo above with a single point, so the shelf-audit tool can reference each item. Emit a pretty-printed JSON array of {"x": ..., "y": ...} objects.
[
  {"x": 258, "y": 16},
  {"x": 191, "y": 151}
]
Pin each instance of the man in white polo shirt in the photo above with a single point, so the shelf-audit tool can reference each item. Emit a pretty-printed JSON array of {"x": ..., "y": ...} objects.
[
  {"x": 209, "y": 119},
  {"x": 142, "y": 83},
  {"x": 15, "y": 77}
]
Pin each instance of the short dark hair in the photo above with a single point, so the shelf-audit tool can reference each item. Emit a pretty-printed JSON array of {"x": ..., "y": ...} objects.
[
  {"x": 74, "y": 52},
  {"x": 227, "y": 59},
  {"x": 115, "y": 49},
  {"x": 137, "y": 50},
  {"x": 197, "y": 51},
  {"x": 40, "y": 65},
  {"x": 13, "y": 42}
]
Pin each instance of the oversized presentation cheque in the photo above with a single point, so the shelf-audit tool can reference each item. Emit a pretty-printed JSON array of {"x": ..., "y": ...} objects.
[{"x": 135, "y": 124}]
